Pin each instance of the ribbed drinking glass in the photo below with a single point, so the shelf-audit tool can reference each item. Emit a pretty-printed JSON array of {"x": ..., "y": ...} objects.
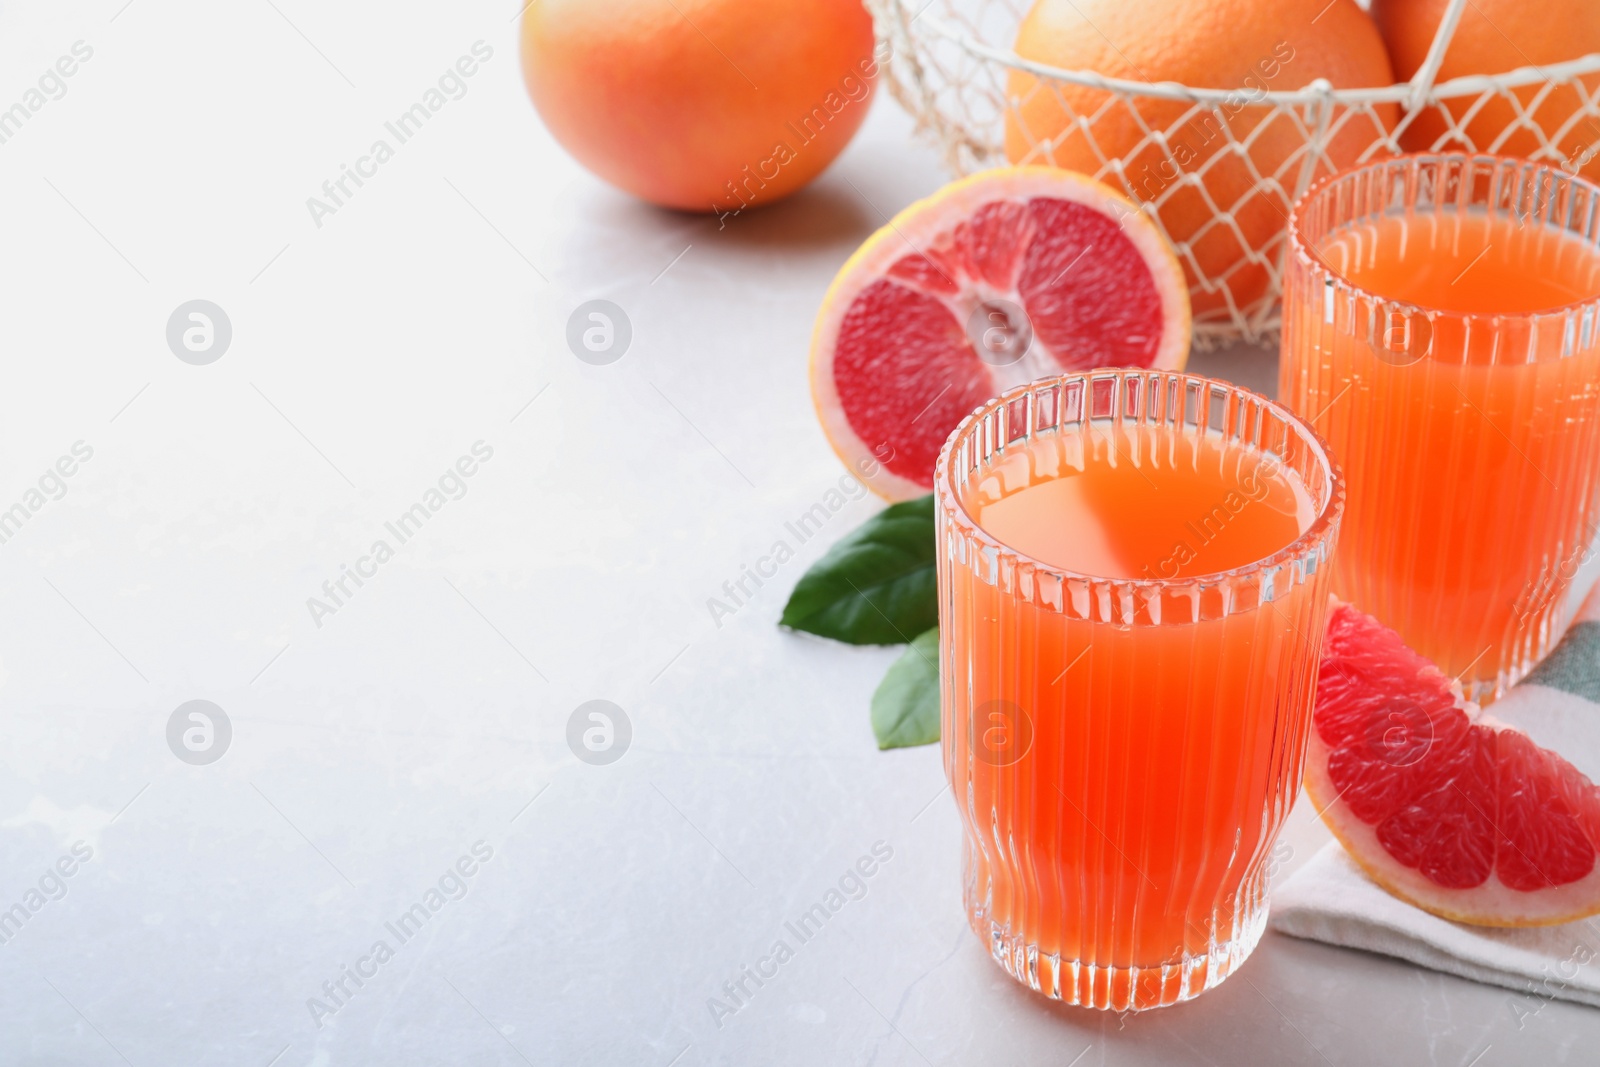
[
  {"x": 1123, "y": 750},
  {"x": 1440, "y": 334}
]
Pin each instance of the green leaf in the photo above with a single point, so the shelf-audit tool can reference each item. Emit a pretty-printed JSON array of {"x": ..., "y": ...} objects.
[
  {"x": 877, "y": 585},
  {"x": 905, "y": 709}
]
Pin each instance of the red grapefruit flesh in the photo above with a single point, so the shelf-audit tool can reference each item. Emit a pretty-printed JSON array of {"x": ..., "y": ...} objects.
[
  {"x": 1441, "y": 805},
  {"x": 996, "y": 280}
]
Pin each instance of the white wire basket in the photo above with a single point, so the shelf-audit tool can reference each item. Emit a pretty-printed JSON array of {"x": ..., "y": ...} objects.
[{"x": 950, "y": 62}]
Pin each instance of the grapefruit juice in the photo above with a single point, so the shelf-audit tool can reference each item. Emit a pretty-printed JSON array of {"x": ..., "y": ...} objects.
[
  {"x": 1132, "y": 595},
  {"x": 1440, "y": 333}
]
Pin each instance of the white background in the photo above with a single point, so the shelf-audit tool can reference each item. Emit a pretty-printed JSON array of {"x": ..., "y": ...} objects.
[{"x": 371, "y": 752}]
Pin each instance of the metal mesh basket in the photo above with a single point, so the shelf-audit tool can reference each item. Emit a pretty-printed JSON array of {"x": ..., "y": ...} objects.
[{"x": 951, "y": 61}]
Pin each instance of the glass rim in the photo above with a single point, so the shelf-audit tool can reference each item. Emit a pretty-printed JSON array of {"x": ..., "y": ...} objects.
[
  {"x": 1311, "y": 260},
  {"x": 949, "y": 503}
]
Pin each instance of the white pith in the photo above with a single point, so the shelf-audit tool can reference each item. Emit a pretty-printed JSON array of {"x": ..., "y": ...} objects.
[
  {"x": 920, "y": 226},
  {"x": 1491, "y": 904}
]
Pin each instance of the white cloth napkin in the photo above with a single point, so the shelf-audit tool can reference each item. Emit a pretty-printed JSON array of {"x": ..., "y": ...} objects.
[{"x": 1330, "y": 899}]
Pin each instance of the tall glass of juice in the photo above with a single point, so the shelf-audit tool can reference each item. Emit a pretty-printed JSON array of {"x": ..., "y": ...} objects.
[
  {"x": 1133, "y": 572},
  {"x": 1440, "y": 332}
]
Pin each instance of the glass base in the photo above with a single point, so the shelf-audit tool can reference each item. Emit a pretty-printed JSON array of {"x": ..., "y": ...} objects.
[{"x": 1112, "y": 988}]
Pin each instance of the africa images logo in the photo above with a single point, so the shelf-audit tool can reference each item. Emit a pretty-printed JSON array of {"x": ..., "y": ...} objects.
[
  {"x": 451, "y": 887},
  {"x": 451, "y": 85},
  {"x": 451, "y": 485}
]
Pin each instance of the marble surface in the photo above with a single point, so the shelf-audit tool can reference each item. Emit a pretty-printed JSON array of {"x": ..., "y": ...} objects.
[{"x": 397, "y": 768}]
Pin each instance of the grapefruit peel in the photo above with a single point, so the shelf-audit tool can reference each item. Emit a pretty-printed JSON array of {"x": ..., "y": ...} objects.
[
  {"x": 1441, "y": 804},
  {"x": 899, "y": 321}
]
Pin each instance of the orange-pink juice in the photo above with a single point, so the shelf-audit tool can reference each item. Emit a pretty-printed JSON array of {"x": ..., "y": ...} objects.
[
  {"x": 1122, "y": 775},
  {"x": 1466, "y": 416}
]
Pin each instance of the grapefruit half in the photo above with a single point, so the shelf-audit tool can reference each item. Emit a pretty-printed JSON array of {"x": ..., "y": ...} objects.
[
  {"x": 1441, "y": 805},
  {"x": 994, "y": 281}
]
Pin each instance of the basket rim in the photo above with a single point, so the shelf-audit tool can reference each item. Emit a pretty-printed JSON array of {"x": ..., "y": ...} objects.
[{"x": 1318, "y": 91}]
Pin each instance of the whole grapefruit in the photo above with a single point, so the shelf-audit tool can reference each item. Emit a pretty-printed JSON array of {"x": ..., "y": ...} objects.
[
  {"x": 1216, "y": 156},
  {"x": 702, "y": 105},
  {"x": 1493, "y": 37}
]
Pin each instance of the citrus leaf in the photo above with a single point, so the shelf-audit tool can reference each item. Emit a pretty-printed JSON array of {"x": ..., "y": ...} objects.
[
  {"x": 877, "y": 585},
  {"x": 905, "y": 708}
]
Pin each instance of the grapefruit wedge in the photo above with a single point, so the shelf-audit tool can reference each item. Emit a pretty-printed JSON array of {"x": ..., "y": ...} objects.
[
  {"x": 994, "y": 281},
  {"x": 1441, "y": 805}
]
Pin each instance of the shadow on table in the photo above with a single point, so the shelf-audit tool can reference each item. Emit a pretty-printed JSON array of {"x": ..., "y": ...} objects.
[{"x": 821, "y": 214}]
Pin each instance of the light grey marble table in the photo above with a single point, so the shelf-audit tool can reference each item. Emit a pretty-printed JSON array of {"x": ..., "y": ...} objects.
[{"x": 397, "y": 769}]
